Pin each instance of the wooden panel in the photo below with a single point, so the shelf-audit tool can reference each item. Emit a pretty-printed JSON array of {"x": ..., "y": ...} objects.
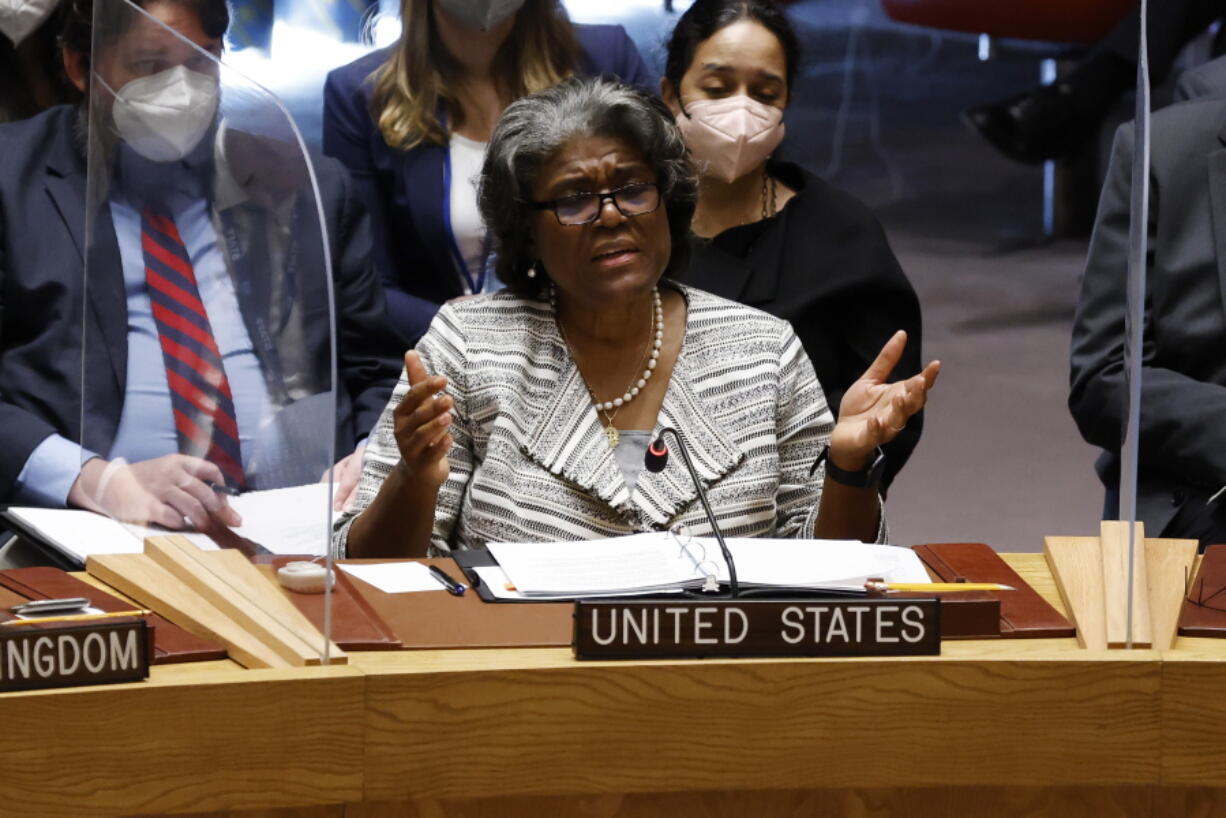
[
  {"x": 584, "y": 728},
  {"x": 333, "y": 811},
  {"x": 1169, "y": 565},
  {"x": 1190, "y": 802},
  {"x": 1034, "y": 569},
  {"x": 1118, "y": 554},
  {"x": 934, "y": 802},
  {"x": 1194, "y": 721},
  {"x": 140, "y": 578},
  {"x": 927, "y": 802},
  {"x": 1076, "y": 564},
  {"x": 244, "y": 606},
  {"x": 205, "y": 739}
]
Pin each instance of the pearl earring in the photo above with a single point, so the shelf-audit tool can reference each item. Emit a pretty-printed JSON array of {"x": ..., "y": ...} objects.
[{"x": 532, "y": 271}]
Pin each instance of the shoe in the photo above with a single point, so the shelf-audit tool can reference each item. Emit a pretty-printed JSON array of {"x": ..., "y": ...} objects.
[{"x": 1032, "y": 127}]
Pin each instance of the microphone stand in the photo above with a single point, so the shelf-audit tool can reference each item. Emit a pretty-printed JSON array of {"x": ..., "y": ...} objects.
[{"x": 655, "y": 462}]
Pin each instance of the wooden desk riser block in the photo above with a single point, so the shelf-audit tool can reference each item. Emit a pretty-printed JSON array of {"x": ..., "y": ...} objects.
[
  {"x": 1113, "y": 540},
  {"x": 138, "y": 577},
  {"x": 1076, "y": 565},
  {"x": 232, "y": 593},
  {"x": 1169, "y": 563}
]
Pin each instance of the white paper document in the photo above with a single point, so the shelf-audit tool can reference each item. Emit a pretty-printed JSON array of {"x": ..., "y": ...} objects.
[
  {"x": 642, "y": 562},
  {"x": 820, "y": 563},
  {"x": 394, "y": 577},
  {"x": 495, "y": 579},
  {"x": 285, "y": 521},
  {"x": 645, "y": 563},
  {"x": 80, "y": 534}
]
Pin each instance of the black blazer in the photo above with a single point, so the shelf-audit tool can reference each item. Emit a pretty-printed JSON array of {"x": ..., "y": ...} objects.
[
  {"x": 42, "y": 246},
  {"x": 1183, "y": 367},
  {"x": 824, "y": 264}
]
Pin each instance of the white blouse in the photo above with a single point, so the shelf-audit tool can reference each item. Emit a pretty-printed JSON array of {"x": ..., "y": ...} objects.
[{"x": 468, "y": 229}]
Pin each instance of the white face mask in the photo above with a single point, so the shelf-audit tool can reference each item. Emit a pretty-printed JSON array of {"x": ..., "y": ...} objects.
[
  {"x": 165, "y": 115},
  {"x": 482, "y": 14},
  {"x": 18, "y": 18}
]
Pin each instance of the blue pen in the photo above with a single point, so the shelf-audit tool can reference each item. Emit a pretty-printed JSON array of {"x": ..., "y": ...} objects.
[{"x": 454, "y": 588}]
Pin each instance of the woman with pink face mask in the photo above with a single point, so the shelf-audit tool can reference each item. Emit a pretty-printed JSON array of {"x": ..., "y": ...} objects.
[{"x": 766, "y": 232}]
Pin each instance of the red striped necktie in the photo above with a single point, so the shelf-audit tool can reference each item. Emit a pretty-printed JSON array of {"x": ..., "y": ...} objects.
[{"x": 199, "y": 390}]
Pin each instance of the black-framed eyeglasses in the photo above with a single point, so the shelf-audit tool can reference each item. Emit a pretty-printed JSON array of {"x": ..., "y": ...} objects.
[{"x": 637, "y": 199}]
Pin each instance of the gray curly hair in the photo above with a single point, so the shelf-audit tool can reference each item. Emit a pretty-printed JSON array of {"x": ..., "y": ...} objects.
[{"x": 533, "y": 127}]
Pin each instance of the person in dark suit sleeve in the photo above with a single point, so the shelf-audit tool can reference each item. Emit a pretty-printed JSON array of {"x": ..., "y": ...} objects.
[
  {"x": 768, "y": 233},
  {"x": 43, "y": 330},
  {"x": 1203, "y": 81},
  {"x": 1183, "y": 378},
  {"x": 1053, "y": 121},
  {"x": 414, "y": 164}
]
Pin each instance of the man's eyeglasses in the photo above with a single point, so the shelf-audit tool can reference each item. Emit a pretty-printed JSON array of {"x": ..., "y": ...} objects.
[{"x": 637, "y": 199}]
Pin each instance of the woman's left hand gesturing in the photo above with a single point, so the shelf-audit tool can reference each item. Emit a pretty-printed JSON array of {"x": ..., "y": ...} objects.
[{"x": 873, "y": 411}]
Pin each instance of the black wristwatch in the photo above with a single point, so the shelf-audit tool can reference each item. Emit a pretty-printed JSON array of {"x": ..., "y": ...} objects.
[{"x": 867, "y": 478}]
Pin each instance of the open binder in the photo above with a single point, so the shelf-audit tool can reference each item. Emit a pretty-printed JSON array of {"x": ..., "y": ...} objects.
[{"x": 661, "y": 564}]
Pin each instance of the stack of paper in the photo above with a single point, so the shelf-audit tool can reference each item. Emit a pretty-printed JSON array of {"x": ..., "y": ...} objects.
[
  {"x": 835, "y": 564},
  {"x": 640, "y": 563},
  {"x": 659, "y": 562}
]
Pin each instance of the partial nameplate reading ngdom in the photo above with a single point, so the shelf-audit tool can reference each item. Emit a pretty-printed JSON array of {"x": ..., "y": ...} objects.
[
  {"x": 39, "y": 656},
  {"x": 695, "y": 628}
]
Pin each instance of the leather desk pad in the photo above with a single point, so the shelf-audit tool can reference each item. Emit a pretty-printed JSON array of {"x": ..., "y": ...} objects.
[
  {"x": 355, "y": 623},
  {"x": 1204, "y": 605},
  {"x": 436, "y": 619},
  {"x": 1024, "y": 614},
  {"x": 171, "y": 643}
]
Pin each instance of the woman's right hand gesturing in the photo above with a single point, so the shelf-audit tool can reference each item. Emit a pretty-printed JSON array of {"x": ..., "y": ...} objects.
[
  {"x": 399, "y": 521},
  {"x": 422, "y": 421}
]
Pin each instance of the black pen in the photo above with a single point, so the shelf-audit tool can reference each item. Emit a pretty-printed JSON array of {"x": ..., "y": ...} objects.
[
  {"x": 454, "y": 588},
  {"x": 222, "y": 488}
]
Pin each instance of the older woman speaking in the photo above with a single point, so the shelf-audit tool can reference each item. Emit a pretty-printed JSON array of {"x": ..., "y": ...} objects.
[{"x": 525, "y": 414}]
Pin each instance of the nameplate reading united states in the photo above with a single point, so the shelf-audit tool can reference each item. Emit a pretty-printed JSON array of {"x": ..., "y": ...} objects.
[
  {"x": 43, "y": 656},
  {"x": 695, "y": 628}
]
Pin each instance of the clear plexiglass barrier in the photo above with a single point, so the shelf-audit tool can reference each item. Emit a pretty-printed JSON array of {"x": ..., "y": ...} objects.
[{"x": 208, "y": 368}]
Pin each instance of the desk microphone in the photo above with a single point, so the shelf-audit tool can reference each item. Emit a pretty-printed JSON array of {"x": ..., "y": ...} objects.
[{"x": 657, "y": 458}]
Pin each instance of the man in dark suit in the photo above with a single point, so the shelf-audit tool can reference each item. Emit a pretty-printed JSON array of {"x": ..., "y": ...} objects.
[
  {"x": 203, "y": 338},
  {"x": 1183, "y": 387},
  {"x": 1203, "y": 81}
]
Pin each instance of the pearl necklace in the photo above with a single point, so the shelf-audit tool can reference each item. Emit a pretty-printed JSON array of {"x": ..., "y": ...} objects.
[{"x": 637, "y": 382}]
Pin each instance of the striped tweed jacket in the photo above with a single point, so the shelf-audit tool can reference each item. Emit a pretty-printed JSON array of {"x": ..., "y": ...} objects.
[{"x": 531, "y": 461}]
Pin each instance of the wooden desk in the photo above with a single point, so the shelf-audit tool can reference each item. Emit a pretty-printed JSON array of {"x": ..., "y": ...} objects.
[
  {"x": 990, "y": 727},
  {"x": 194, "y": 737}
]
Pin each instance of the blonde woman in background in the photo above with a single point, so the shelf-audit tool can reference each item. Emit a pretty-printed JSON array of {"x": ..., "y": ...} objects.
[{"x": 411, "y": 122}]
